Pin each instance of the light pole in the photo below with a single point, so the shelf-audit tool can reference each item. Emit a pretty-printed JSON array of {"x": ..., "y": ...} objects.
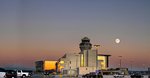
[
  {"x": 76, "y": 61},
  {"x": 120, "y": 61},
  {"x": 101, "y": 67},
  {"x": 131, "y": 65},
  {"x": 96, "y": 46},
  {"x": 76, "y": 64},
  {"x": 144, "y": 66}
]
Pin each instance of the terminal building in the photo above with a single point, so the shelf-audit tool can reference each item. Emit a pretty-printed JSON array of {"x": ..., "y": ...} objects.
[
  {"x": 86, "y": 61},
  {"x": 80, "y": 63}
]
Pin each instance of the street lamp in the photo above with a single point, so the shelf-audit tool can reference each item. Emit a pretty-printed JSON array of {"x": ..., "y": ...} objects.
[
  {"x": 76, "y": 64},
  {"x": 76, "y": 61},
  {"x": 144, "y": 66},
  {"x": 120, "y": 61},
  {"x": 96, "y": 46},
  {"x": 131, "y": 65},
  {"x": 101, "y": 67}
]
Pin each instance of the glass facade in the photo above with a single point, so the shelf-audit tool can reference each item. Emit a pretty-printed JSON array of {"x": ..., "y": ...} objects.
[{"x": 102, "y": 62}]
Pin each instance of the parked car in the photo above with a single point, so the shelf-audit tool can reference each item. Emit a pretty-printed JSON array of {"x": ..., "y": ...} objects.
[
  {"x": 86, "y": 76},
  {"x": 137, "y": 76},
  {"x": 92, "y": 75},
  {"x": 118, "y": 76},
  {"x": 47, "y": 72},
  {"x": 2, "y": 73},
  {"x": 22, "y": 74},
  {"x": 11, "y": 74},
  {"x": 29, "y": 71}
]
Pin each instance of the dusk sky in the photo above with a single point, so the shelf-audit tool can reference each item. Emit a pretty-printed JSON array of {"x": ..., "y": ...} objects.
[{"x": 32, "y": 30}]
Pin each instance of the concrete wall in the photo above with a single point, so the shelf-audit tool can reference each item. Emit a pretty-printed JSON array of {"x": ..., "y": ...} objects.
[
  {"x": 72, "y": 61},
  {"x": 90, "y": 58},
  {"x": 85, "y": 70}
]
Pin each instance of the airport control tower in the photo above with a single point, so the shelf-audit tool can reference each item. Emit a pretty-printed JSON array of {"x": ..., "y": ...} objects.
[{"x": 85, "y": 44}]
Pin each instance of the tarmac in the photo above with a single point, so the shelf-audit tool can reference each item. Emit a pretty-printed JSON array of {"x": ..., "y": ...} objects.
[{"x": 60, "y": 76}]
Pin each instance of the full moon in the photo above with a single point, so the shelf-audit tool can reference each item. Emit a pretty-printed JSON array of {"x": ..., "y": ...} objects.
[{"x": 117, "y": 40}]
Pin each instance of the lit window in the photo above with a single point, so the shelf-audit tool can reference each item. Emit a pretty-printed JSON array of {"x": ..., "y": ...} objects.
[
  {"x": 102, "y": 63},
  {"x": 82, "y": 63},
  {"x": 61, "y": 62}
]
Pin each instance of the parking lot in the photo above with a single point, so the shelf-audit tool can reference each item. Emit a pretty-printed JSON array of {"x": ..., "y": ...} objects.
[{"x": 59, "y": 76}]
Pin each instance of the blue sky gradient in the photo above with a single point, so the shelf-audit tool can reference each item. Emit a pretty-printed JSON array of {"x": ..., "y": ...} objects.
[{"x": 33, "y": 30}]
